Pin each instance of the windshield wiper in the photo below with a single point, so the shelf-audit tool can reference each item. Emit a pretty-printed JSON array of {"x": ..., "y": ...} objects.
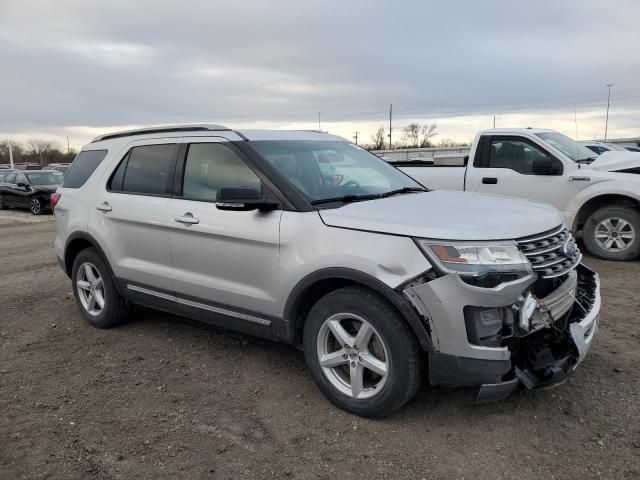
[
  {"x": 346, "y": 199},
  {"x": 403, "y": 190}
]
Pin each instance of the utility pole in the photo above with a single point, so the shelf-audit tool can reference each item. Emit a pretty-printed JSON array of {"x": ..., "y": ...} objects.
[
  {"x": 67, "y": 143},
  {"x": 11, "y": 154},
  {"x": 606, "y": 122},
  {"x": 319, "y": 127},
  {"x": 494, "y": 121},
  {"x": 356, "y": 137},
  {"x": 390, "y": 124}
]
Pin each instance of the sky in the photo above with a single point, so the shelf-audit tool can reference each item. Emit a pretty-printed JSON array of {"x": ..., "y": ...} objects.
[{"x": 81, "y": 68}]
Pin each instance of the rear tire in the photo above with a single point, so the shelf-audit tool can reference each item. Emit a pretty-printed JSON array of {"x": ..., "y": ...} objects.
[
  {"x": 613, "y": 233},
  {"x": 96, "y": 295},
  {"x": 375, "y": 378}
]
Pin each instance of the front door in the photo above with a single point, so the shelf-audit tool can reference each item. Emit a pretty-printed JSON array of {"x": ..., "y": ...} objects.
[
  {"x": 223, "y": 260},
  {"x": 505, "y": 167}
]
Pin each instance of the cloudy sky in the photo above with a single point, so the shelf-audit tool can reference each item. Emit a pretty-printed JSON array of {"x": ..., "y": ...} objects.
[{"x": 79, "y": 68}]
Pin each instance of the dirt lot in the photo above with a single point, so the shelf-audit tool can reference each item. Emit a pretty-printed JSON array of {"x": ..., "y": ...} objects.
[{"x": 164, "y": 398}]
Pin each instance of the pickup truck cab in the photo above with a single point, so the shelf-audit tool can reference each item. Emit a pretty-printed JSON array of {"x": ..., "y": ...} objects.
[{"x": 598, "y": 195}]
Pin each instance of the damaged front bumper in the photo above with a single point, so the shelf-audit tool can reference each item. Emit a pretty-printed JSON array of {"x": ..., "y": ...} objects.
[{"x": 541, "y": 358}]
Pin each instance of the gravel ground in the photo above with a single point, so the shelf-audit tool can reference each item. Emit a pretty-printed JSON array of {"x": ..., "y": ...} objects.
[{"x": 161, "y": 397}]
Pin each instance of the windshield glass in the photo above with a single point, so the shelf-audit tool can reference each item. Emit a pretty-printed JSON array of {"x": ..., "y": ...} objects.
[
  {"x": 322, "y": 170},
  {"x": 45, "y": 178},
  {"x": 568, "y": 146}
]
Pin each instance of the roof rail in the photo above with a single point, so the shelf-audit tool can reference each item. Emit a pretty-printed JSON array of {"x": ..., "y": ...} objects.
[{"x": 197, "y": 127}]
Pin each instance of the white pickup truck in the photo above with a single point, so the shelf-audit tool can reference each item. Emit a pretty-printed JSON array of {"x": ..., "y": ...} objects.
[{"x": 599, "y": 196}]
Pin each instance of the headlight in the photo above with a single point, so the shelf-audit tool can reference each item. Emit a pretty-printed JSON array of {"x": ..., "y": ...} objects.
[{"x": 475, "y": 259}]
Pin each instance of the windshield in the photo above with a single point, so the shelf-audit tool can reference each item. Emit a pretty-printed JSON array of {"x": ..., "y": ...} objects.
[
  {"x": 45, "y": 178},
  {"x": 324, "y": 170},
  {"x": 568, "y": 146}
]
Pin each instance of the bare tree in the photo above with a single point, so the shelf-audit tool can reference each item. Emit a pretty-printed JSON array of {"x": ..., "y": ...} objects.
[
  {"x": 39, "y": 146},
  {"x": 449, "y": 142},
  {"x": 378, "y": 139},
  {"x": 16, "y": 149},
  {"x": 428, "y": 132},
  {"x": 411, "y": 134}
]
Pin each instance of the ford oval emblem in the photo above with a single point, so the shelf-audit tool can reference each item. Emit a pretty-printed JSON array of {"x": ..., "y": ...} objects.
[{"x": 569, "y": 249}]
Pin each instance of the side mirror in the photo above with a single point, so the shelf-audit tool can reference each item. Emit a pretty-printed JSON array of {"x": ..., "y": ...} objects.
[
  {"x": 21, "y": 185},
  {"x": 546, "y": 166},
  {"x": 242, "y": 199}
]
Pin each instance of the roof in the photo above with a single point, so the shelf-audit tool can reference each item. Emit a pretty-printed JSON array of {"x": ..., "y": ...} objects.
[
  {"x": 528, "y": 130},
  {"x": 205, "y": 129}
]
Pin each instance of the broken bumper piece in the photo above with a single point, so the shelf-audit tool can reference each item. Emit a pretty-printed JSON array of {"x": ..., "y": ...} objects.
[{"x": 542, "y": 359}]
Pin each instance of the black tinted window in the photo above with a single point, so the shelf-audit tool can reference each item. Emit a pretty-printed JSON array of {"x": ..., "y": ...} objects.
[
  {"x": 148, "y": 169},
  {"x": 514, "y": 154},
  {"x": 211, "y": 166},
  {"x": 82, "y": 167}
]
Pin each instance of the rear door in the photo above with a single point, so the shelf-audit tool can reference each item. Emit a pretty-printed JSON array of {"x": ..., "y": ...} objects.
[
  {"x": 7, "y": 190},
  {"x": 223, "y": 260},
  {"x": 129, "y": 214}
]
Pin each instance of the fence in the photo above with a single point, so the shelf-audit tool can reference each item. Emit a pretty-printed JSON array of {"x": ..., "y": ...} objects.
[{"x": 419, "y": 154}]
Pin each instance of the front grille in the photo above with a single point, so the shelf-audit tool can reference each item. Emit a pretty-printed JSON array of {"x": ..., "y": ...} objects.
[{"x": 547, "y": 253}]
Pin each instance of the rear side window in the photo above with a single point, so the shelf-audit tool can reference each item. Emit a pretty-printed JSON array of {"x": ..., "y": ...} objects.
[
  {"x": 146, "y": 170},
  {"x": 82, "y": 167}
]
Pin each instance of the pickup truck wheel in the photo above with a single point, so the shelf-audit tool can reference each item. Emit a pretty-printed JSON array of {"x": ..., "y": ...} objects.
[
  {"x": 101, "y": 304},
  {"x": 613, "y": 233},
  {"x": 361, "y": 353}
]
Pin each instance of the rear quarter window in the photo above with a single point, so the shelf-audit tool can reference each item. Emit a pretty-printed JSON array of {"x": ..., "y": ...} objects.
[{"x": 82, "y": 167}]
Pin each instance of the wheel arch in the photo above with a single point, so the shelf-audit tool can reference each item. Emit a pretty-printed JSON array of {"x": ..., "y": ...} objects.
[
  {"x": 318, "y": 284},
  {"x": 78, "y": 242},
  {"x": 598, "y": 201}
]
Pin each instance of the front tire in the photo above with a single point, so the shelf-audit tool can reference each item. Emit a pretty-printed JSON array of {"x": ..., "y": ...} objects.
[
  {"x": 613, "y": 233},
  {"x": 96, "y": 295},
  {"x": 35, "y": 205},
  {"x": 361, "y": 353}
]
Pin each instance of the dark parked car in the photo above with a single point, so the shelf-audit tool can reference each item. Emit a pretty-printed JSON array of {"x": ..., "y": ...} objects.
[
  {"x": 633, "y": 149},
  {"x": 29, "y": 189}
]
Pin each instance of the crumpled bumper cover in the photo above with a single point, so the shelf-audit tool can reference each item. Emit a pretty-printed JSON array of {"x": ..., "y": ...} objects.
[{"x": 497, "y": 371}]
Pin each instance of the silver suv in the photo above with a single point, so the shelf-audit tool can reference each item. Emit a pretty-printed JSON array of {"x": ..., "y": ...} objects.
[{"x": 305, "y": 238}]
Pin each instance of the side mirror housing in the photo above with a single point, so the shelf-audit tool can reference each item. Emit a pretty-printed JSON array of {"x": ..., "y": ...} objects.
[
  {"x": 546, "y": 166},
  {"x": 242, "y": 199},
  {"x": 22, "y": 185}
]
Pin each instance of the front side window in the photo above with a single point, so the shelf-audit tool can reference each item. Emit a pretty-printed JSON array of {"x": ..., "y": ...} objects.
[
  {"x": 211, "y": 166},
  {"x": 145, "y": 170},
  {"x": 45, "y": 178},
  {"x": 20, "y": 178},
  {"x": 11, "y": 178},
  {"x": 322, "y": 170},
  {"x": 516, "y": 155}
]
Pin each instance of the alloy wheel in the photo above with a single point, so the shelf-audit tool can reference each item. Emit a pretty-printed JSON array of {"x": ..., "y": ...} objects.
[
  {"x": 90, "y": 289},
  {"x": 35, "y": 206},
  {"x": 615, "y": 234},
  {"x": 352, "y": 355}
]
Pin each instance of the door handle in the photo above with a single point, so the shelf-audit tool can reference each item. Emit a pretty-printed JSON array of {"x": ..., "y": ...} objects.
[
  {"x": 104, "y": 207},
  {"x": 187, "y": 219},
  {"x": 489, "y": 180}
]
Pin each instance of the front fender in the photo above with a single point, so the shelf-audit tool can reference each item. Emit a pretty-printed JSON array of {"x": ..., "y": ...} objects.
[{"x": 623, "y": 188}]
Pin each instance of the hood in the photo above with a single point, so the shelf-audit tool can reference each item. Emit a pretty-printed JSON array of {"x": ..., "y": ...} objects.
[
  {"x": 613, "y": 161},
  {"x": 447, "y": 215}
]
